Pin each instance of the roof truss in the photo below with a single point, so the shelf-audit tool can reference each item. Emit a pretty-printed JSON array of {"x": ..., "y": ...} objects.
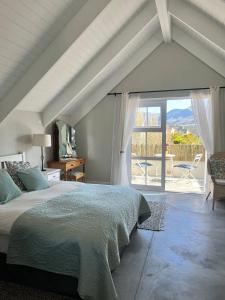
[
  {"x": 97, "y": 94},
  {"x": 196, "y": 25},
  {"x": 164, "y": 19},
  {"x": 50, "y": 56},
  {"x": 215, "y": 8},
  {"x": 198, "y": 22},
  {"x": 199, "y": 49},
  {"x": 104, "y": 63}
]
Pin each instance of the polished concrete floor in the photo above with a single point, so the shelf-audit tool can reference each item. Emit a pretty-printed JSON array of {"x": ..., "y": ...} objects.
[{"x": 186, "y": 261}]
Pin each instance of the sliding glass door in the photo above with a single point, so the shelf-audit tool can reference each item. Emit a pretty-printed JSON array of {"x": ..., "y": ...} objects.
[{"x": 148, "y": 146}]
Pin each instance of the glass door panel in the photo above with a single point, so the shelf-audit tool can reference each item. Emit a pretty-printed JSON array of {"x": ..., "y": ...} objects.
[
  {"x": 146, "y": 172},
  {"x": 138, "y": 144},
  {"x": 154, "y": 144},
  {"x": 147, "y": 146},
  {"x": 148, "y": 117}
]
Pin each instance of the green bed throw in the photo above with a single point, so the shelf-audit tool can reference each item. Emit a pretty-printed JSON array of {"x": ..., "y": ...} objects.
[{"x": 79, "y": 234}]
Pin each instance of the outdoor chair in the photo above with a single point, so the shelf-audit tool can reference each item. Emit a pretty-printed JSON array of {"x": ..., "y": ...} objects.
[
  {"x": 142, "y": 166},
  {"x": 216, "y": 170},
  {"x": 188, "y": 168}
]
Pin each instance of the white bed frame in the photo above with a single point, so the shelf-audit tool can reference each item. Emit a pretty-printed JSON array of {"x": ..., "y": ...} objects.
[{"x": 13, "y": 157}]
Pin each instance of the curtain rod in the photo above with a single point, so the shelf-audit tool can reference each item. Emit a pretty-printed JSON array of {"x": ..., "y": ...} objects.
[{"x": 158, "y": 91}]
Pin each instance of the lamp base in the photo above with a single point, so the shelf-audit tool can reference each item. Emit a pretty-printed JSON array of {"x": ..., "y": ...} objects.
[{"x": 42, "y": 160}]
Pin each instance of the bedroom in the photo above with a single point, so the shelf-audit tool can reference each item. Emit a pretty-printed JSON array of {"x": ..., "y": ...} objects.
[{"x": 70, "y": 60}]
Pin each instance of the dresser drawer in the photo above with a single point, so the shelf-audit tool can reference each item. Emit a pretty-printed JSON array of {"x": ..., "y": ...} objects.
[
  {"x": 74, "y": 164},
  {"x": 67, "y": 166},
  {"x": 71, "y": 165}
]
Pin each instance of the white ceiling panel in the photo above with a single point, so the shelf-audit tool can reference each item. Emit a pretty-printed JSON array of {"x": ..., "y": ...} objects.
[
  {"x": 214, "y": 8},
  {"x": 26, "y": 28},
  {"x": 106, "y": 25},
  {"x": 197, "y": 35}
]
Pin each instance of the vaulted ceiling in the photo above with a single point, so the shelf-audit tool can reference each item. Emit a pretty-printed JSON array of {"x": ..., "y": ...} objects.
[{"x": 63, "y": 56}]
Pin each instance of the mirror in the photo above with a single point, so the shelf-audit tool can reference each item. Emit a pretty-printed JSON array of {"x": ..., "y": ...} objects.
[{"x": 66, "y": 143}]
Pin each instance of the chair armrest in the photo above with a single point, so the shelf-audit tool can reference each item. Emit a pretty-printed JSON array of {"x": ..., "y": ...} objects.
[{"x": 213, "y": 179}]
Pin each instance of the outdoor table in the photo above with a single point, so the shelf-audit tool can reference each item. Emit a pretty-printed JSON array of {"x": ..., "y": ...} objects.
[{"x": 168, "y": 156}]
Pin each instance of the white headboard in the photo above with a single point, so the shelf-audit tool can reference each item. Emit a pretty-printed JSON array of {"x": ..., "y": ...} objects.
[{"x": 14, "y": 157}]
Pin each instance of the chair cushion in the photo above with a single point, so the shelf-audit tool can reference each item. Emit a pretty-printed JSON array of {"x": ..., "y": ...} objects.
[
  {"x": 33, "y": 179},
  {"x": 8, "y": 189},
  {"x": 184, "y": 166},
  {"x": 144, "y": 164}
]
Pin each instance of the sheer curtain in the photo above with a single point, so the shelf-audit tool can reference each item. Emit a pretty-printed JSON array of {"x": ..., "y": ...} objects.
[
  {"x": 208, "y": 110},
  {"x": 218, "y": 107},
  {"x": 125, "y": 109},
  {"x": 203, "y": 114}
]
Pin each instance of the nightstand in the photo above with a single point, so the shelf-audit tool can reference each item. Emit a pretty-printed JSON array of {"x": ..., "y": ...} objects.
[{"x": 52, "y": 174}]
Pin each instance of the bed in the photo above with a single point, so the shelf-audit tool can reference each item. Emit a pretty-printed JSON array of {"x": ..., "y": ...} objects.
[{"x": 70, "y": 231}]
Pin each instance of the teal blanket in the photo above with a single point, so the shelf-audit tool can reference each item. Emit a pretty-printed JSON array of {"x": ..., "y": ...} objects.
[{"x": 79, "y": 234}]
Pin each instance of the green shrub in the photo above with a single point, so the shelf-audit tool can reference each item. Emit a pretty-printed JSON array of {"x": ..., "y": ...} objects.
[{"x": 188, "y": 139}]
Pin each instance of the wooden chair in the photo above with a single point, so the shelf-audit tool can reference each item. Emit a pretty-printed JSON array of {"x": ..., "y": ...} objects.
[{"x": 217, "y": 188}]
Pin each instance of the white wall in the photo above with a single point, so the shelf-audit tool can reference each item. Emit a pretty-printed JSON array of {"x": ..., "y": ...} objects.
[
  {"x": 16, "y": 132},
  {"x": 168, "y": 67},
  {"x": 94, "y": 140}
]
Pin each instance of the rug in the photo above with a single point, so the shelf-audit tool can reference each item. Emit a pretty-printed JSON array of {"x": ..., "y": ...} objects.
[
  {"x": 13, "y": 291},
  {"x": 156, "y": 221}
]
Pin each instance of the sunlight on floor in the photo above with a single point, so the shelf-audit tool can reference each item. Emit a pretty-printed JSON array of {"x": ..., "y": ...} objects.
[
  {"x": 172, "y": 184},
  {"x": 182, "y": 185}
]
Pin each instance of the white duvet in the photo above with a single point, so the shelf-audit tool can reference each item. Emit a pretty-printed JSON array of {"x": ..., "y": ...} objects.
[{"x": 10, "y": 211}]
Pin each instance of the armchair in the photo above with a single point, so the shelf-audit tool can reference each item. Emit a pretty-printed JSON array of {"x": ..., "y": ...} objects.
[{"x": 216, "y": 170}]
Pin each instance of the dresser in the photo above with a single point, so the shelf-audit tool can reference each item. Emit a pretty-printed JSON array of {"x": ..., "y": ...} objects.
[{"x": 73, "y": 169}]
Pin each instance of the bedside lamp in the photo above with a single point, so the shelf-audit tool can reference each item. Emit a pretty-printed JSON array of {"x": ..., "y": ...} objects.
[{"x": 43, "y": 141}]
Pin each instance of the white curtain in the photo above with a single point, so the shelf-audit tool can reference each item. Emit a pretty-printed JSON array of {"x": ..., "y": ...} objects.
[
  {"x": 125, "y": 109},
  {"x": 203, "y": 114},
  {"x": 218, "y": 107},
  {"x": 208, "y": 110}
]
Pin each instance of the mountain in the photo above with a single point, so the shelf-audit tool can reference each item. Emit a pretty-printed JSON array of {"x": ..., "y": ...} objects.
[
  {"x": 175, "y": 117},
  {"x": 180, "y": 117}
]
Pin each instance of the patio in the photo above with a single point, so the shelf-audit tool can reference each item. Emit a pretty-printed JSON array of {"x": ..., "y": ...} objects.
[{"x": 174, "y": 182}]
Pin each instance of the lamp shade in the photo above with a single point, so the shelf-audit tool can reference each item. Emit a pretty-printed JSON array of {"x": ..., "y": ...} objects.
[{"x": 43, "y": 140}]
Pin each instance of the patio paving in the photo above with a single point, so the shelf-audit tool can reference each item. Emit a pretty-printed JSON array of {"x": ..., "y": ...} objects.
[{"x": 172, "y": 184}]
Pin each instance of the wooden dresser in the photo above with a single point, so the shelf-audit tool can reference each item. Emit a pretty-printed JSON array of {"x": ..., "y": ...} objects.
[{"x": 69, "y": 168}]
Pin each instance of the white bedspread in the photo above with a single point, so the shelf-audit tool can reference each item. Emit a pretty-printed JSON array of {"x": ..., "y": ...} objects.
[{"x": 10, "y": 211}]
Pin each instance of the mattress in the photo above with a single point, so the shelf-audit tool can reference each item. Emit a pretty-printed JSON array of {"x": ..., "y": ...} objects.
[{"x": 10, "y": 211}]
